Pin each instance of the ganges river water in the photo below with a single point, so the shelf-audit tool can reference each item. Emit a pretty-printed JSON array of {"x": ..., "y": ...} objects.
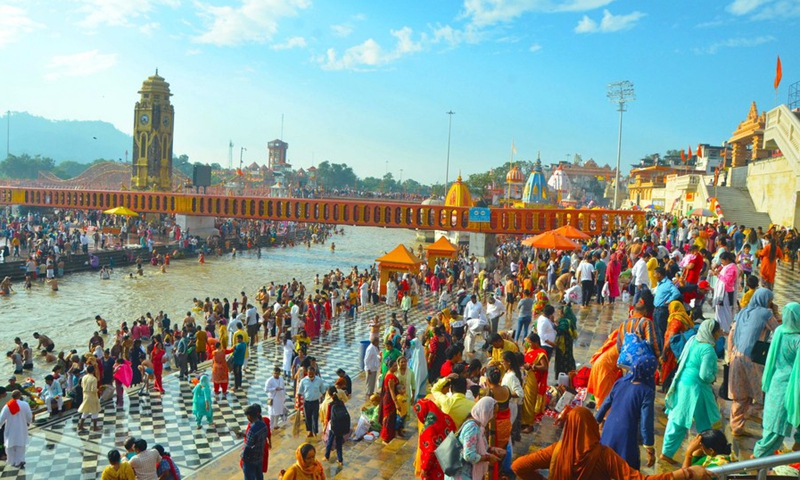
[{"x": 67, "y": 316}]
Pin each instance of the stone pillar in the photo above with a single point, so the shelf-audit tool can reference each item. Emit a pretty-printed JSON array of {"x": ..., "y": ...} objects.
[
  {"x": 196, "y": 225},
  {"x": 483, "y": 246},
  {"x": 757, "y": 151},
  {"x": 738, "y": 155}
]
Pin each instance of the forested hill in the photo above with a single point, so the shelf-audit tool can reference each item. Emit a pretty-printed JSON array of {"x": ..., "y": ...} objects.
[{"x": 78, "y": 140}]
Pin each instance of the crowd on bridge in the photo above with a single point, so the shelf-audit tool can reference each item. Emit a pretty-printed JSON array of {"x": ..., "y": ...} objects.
[{"x": 693, "y": 295}]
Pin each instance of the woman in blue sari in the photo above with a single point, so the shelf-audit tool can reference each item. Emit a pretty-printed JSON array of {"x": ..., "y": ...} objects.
[
  {"x": 690, "y": 398},
  {"x": 632, "y": 398}
]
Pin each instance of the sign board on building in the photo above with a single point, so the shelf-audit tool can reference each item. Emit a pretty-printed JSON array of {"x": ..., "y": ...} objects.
[{"x": 479, "y": 215}]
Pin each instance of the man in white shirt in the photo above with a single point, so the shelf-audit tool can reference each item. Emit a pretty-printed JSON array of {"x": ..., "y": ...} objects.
[
  {"x": 372, "y": 364},
  {"x": 585, "y": 274},
  {"x": 494, "y": 310},
  {"x": 546, "y": 329},
  {"x": 639, "y": 276},
  {"x": 476, "y": 321},
  {"x": 295, "y": 312},
  {"x": 252, "y": 324},
  {"x": 145, "y": 462},
  {"x": 16, "y": 417}
]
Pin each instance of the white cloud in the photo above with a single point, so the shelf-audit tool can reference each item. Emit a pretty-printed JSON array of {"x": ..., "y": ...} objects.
[
  {"x": 490, "y": 12},
  {"x": 293, "y": 42},
  {"x": 369, "y": 54},
  {"x": 149, "y": 28},
  {"x": 743, "y": 7},
  {"x": 342, "y": 30},
  {"x": 254, "y": 21},
  {"x": 80, "y": 64},
  {"x": 453, "y": 36},
  {"x": 14, "y": 21},
  {"x": 118, "y": 12},
  {"x": 765, "y": 9},
  {"x": 735, "y": 43},
  {"x": 534, "y": 48},
  {"x": 609, "y": 23}
]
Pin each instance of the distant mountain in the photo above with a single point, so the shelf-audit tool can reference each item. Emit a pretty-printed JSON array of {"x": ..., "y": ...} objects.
[{"x": 79, "y": 140}]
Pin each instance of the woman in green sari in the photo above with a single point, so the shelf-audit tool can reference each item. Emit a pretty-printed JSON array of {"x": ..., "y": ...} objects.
[
  {"x": 690, "y": 398},
  {"x": 389, "y": 355},
  {"x": 566, "y": 333},
  {"x": 781, "y": 383}
]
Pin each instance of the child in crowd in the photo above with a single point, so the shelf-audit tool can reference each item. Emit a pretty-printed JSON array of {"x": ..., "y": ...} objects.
[
  {"x": 752, "y": 286},
  {"x": 708, "y": 449},
  {"x": 745, "y": 261},
  {"x": 402, "y": 408},
  {"x": 370, "y": 410}
]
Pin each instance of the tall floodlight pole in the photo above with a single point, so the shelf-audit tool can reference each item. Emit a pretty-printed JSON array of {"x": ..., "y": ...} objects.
[
  {"x": 8, "y": 133},
  {"x": 620, "y": 93},
  {"x": 449, "y": 131}
]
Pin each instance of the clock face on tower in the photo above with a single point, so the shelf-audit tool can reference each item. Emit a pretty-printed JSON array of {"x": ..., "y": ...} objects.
[
  {"x": 144, "y": 119},
  {"x": 166, "y": 121}
]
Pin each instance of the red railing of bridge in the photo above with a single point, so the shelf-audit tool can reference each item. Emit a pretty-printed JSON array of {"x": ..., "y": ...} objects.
[{"x": 333, "y": 211}]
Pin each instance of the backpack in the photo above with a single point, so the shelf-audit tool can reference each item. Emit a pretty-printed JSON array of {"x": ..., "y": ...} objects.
[
  {"x": 634, "y": 347},
  {"x": 340, "y": 419},
  {"x": 678, "y": 342}
]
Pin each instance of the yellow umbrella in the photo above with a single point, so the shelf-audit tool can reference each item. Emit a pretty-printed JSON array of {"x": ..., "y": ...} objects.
[{"x": 127, "y": 212}]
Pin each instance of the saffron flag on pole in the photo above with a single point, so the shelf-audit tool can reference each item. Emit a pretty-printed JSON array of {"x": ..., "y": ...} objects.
[
  {"x": 778, "y": 73},
  {"x": 683, "y": 155},
  {"x": 513, "y": 148},
  {"x": 699, "y": 150},
  {"x": 690, "y": 154}
]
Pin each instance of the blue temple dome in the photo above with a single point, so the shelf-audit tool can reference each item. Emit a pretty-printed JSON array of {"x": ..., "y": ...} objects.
[{"x": 536, "y": 187}]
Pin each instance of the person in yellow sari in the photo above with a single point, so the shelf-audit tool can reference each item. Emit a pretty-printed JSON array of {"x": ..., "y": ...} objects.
[
  {"x": 223, "y": 334},
  {"x": 306, "y": 468},
  {"x": 537, "y": 366}
]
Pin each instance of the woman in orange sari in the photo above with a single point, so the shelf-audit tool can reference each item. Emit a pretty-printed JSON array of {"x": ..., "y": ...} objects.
[
  {"x": 306, "y": 467},
  {"x": 769, "y": 256},
  {"x": 678, "y": 322},
  {"x": 502, "y": 417},
  {"x": 580, "y": 456},
  {"x": 604, "y": 369}
]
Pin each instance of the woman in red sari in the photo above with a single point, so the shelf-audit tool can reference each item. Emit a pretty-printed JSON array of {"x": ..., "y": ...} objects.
[
  {"x": 537, "y": 365},
  {"x": 388, "y": 406},
  {"x": 157, "y": 357},
  {"x": 435, "y": 427},
  {"x": 769, "y": 256},
  {"x": 679, "y": 321}
]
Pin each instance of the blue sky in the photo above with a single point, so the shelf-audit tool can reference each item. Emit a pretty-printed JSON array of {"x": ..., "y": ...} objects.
[{"x": 365, "y": 83}]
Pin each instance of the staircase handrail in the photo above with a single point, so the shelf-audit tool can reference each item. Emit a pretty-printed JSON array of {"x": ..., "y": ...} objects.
[
  {"x": 760, "y": 464},
  {"x": 783, "y": 128}
]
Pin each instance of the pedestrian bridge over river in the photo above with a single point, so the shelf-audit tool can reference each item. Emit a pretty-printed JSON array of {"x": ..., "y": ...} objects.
[{"x": 358, "y": 212}]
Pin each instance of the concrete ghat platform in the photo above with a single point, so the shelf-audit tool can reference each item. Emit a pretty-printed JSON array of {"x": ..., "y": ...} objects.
[{"x": 58, "y": 450}]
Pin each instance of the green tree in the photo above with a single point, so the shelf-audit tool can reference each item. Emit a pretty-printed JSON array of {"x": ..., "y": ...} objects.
[
  {"x": 25, "y": 166},
  {"x": 335, "y": 175},
  {"x": 388, "y": 183},
  {"x": 70, "y": 168},
  {"x": 369, "y": 184}
]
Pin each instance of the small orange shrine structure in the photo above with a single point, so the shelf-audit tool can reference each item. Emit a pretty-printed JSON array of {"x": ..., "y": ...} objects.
[
  {"x": 441, "y": 248},
  {"x": 400, "y": 260}
]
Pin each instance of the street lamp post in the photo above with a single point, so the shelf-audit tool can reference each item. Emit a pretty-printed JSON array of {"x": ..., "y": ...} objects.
[
  {"x": 241, "y": 156},
  {"x": 620, "y": 93},
  {"x": 449, "y": 131}
]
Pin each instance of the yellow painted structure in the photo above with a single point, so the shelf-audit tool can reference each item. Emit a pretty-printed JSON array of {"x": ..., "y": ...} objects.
[
  {"x": 441, "y": 248},
  {"x": 152, "y": 136},
  {"x": 458, "y": 195}
]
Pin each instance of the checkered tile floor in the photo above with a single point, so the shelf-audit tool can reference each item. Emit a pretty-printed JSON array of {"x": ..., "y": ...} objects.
[{"x": 58, "y": 450}]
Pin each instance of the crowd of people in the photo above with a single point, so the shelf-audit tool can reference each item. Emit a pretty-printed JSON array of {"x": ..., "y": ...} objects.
[{"x": 485, "y": 364}]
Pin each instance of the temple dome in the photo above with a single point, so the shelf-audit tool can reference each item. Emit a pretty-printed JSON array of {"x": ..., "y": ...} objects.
[
  {"x": 536, "y": 187},
  {"x": 458, "y": 195},
  {"x": 514, "y": 176}
]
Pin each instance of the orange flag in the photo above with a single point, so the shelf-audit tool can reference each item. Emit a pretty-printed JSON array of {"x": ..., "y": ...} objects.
[
  {"x": 683, "y": 155},
  {"x": 778, "y": 73},
  {"x": 690, "y": 152},
  {"x": 699, "y": 150}
]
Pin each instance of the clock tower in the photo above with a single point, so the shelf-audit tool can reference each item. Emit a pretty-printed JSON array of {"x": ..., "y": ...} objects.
[{"x": 152, "y": 136}]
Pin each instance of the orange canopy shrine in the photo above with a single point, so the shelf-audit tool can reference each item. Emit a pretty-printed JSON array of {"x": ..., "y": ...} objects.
[
  {"x": 400, "y": 260},
  {"x": 441, "y": 248}
]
